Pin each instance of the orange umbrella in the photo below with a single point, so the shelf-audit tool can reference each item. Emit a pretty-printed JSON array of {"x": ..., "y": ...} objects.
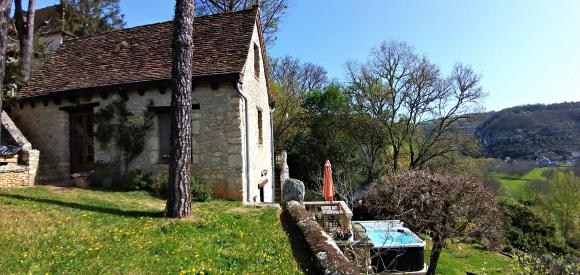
[{"x": 328, "y": 187}]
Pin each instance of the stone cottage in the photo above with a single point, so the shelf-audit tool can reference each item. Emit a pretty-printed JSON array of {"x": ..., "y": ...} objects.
[{"x": 231, "y": 111}]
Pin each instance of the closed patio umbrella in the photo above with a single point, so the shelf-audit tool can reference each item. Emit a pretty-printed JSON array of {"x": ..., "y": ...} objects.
[{"x": 328, "y": 187}]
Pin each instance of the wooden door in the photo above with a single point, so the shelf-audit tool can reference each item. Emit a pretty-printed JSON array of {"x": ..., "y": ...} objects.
[{"x": 82, "y": 151}]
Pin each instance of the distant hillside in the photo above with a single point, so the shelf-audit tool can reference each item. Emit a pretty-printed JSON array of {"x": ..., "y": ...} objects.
[{"x": 531, "y": 131}]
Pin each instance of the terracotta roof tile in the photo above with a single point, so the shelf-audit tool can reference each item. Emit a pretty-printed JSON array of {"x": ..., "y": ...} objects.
[{"x": 143, "y": 53}]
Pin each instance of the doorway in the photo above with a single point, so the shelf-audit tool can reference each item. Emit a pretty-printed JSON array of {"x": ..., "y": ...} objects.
[{"x": 82, "y": 149}]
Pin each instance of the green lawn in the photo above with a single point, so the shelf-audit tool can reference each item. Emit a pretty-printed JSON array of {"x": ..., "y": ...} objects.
[
  {"x": 516, "y": 186},
  {"x": 459, "y": 258},
  {"x": 67, "y": 230}
]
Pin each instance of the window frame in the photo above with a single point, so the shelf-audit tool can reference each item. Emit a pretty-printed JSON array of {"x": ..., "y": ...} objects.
[
  {"x": 260, "y": 123},
  {"x": 257, "y": 60}
]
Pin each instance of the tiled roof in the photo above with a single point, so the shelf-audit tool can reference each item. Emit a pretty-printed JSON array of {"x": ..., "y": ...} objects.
[
  {"x": 141, "y": 54},
  {"x": 48, "y": 20}
]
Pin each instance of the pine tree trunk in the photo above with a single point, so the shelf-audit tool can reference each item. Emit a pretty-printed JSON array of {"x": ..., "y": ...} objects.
[
  {"x": 27, "y": 47},
  {"x": 5, "y": 6},
  {"x": 179, "y": 200},
  {"x": 25, "y": 37}
]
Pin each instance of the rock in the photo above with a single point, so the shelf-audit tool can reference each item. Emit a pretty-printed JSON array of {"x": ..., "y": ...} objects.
[{"x": 292, "y": 190}]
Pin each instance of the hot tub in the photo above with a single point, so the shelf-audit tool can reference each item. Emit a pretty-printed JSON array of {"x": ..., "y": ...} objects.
[{"x": 395, "y": 247}]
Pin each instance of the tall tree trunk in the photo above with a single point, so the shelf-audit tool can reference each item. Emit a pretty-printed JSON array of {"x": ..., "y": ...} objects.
[
  {"x": 25, "y": 37},
  {"x": 5, "y": 6},
  {"x": 396, "y": 156},
  {"x": 434, "y": 257},
  {"x": 179, "y": 200}
]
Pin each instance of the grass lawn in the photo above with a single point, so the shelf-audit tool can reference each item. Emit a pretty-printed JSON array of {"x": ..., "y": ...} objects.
[
  {"x": 67, "y": 230},
  {"x": 516, "y": 186},
  {"x": 459, "y": 258}
]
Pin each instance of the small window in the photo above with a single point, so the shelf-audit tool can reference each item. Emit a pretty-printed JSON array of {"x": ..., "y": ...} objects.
[
  {"x": 256, "y": 61},
  {"x": 260, "y": 140},
  {"x": 164, "y": 120}
]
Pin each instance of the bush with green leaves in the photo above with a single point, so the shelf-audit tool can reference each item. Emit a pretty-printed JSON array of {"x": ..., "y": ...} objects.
[
  {"x": 134, "y": 180},
  {"x": 158, "y": 181},
  {"x": 546, "y": 264},
  {"x": 531, "y": 231},
  {"x": 200, "y": 192},
  {"x": 115, "y": 124}
]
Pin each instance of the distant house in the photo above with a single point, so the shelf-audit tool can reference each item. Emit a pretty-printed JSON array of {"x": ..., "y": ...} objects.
[
  {"x": 543, "y": 161},
  {"x": 49, "y": 24},
  {"x": 231, "y": 111}
]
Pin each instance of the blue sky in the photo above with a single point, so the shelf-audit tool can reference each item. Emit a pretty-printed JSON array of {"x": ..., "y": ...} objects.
[{"x": 526, "y": 51}]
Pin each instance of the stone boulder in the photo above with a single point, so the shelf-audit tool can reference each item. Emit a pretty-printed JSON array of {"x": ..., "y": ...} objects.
[{"x": 292, "y": 190}]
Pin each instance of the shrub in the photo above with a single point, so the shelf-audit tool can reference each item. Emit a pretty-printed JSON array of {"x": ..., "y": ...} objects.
[
  {"x": 134, "y": 180},
  {"x": 491, "y": 183},
  {"x": 106, "y": 173},
  {"x": 530, "y": 231},
  {"x": 200, "y": 192},
  {"x": 546, "y": 264},
  {"x": 445, "y": 206},
  {"x": 158, "y": 181}
]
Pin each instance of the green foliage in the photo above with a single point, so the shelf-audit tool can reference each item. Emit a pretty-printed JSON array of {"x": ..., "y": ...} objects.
[
  {"x": 546, "y": 264},
  {"x": 40, "y": 47},
  {"x": 323, "y": 137},
  {"x": 106, "y": 171},
  {"x": 90, "y": 17},
  {"x": 562, "y": 199},
  {"x": 158, "y": 181},
  {"x": 128, "y": 131},
  {"x": 200, "y": 192},
  {"x": 134, "y": 180},
  {"x": 73, "y": 231},
  {"x": 532, "y": 131},
  {"x": 531, "y": 231}
]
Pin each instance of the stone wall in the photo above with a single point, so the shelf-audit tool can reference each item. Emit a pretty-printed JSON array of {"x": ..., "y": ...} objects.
[
  {"x": 13, "y": 175},
  {"x": 261, "y": 158},
  {"x": 46, "y": 127},
  {"x": 217, "y": 156},
  {"x": 328, "y": 255},
  {"x": 23, "y": 173}
]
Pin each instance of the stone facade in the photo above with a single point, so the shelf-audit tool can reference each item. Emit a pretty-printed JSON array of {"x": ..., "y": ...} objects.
[
  {"x": 13, "y": 175},
  {"x": 261, "y": 154},
  {"x": 23, "y": 173},
  {"x": 218, "y": 126}
]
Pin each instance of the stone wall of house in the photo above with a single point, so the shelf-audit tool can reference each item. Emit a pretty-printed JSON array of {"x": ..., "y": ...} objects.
[
  {"x": 216, "y": 137},
  {"x": 261, "y": 158},
  {"x": 216, "y": 125},
  {"x": 46, "y": 127}
]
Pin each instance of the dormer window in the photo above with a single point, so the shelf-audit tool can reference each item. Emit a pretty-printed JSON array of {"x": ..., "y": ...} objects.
[{"x": 256, "y": 61}]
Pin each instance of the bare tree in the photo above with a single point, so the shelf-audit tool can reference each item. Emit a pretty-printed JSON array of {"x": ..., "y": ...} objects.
[
  {"x": 445, "y": 207},
  {"x": 271, "y": 13},
  {"x": 345, "y": 184},
  {"x": 5, "y": 6},
  {"x": 406, "y": 96},
  {"x": 452, "y": 100},
  {"x": 179, "y": 197},
  {"x": 292, "y": 79},
  {"x": 25, "y": 36}
]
